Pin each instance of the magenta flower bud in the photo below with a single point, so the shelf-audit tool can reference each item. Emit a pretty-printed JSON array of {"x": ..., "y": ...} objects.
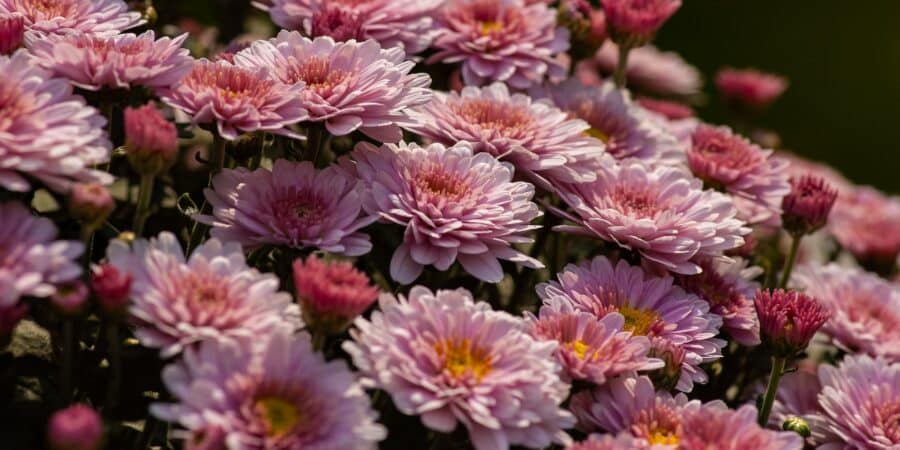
[
  {"x": 633, "y": 23},
  {"x": 748, "y": 89},
  {"x": 91, "y": 203},
  {"x": 673, "y": 357},
  {"x": 332, "y": 293},
  {"x": 112, "y": 288},
  {"x": 788, "y": 320},
  {"x": 806, "y": 207},
  {"x": 151, "y": 140},
  {"x": 71, "y": 299},
  {"x": 10, "y": 316},
  {"x": 12, "y": 32},
  {"x": 77, "y": 427}
]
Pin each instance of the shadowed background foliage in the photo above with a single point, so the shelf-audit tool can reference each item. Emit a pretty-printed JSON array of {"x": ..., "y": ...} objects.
[{"x": 843, "y": 60}]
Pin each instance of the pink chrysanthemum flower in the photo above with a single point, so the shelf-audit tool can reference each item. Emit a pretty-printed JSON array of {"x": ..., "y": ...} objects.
[
  {"x": 721, "y": 428},
  {"x": 455, "y": 206},
  {"x": 749, "y": 89},
  {"x": 652, "y": 307},
  {"x": 865, "y": 309},
  {"x": 623, "y": 441},
  {"x": 12, "y": 32},
  {"x": 864, "y": 221},
  {"x": 32, "y": 262},
  {"x": 726, "y": 286},
  {"x": 46, "y": 132},
  {"x": 860, "y": 403},
  {"x": 275, "y": 394},
  {"x": 661, "y": 213},
  {"x": 788, "y": 320},
  {"x": 633, "y": 406},
  {"x": 59, "y": 16},
  {"x": 807, "y": 206},
  {"x": 635, "y": 22},
  {"x": 237, "y": 99},
  {"x": 121, "y": 61},
  {"x": 617, "y": 121},
  {"x": 649, "y": 69},
  {"x": 406, "y": 24},
  {"x": 348, "y": 85},
  {"x": 151, "y": 141},
  {"x": 801, "y": 166},
  {"x": 449, "y": 360},
  {"x": 293, "y": 205},
  {"x": 757, "y": 180},
  {"x": 538, "y": 138},
  {"x": 501, "y": 40},
  {"x": 211, "y": 295},
  {"x": 591, "y": 349},
  {"x": 332, "y": 293}
]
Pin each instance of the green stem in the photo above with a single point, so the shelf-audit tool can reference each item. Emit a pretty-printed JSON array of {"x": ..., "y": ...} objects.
[
  {"x": 68, "y": 356},
  {"x": 145, "y": 193},
  {"x": 146, "y": 436},
  {"x": 789, "y": 264},
  {"x": 216, "y": 162},
  {"x": 115, "y": 367},
  {"x": 620, "y": 75},
  {"x": 87, "y": 236},
  {"x": 778, "y": 364},
  {"x": 315, "y": 140}
]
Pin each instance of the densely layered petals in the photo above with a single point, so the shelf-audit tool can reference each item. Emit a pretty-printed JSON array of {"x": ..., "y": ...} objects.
[
  {"x": 869, "y": 237},
  {"x": 720, "y": 428},
  {"x": 450, "y": 360},
  {"x": 90, "y": 16}
]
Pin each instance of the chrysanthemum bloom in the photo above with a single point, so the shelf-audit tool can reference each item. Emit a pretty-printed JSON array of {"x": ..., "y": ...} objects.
[
  {"x": 448, "y": 359},
  {"x": 77, "y": 427},
  {"x": 12, "y": 32},
  {"x": 617, "y": 121},
  {"x": 331, "y": 293},
  {"x": 661, "y": 213},
  {"x": 726, "y": 286},
  {"x": 46, "y": 132},
  {"x": 150, "y": 140},
  {"x": 591, "y": 349},
  {"x": 294, "y": 204},
  {"x": 501, "y": 40},
  {"x": 788, "y": 320},
  {"x": 668, "y": 109},
  {"x": 61, "y": 16},
  {"x": 405, "y": 23},
  {"x": 112, "y": 288},
  {"x": 211, "y": 295},
  {"x": 91, "y": 204},
  {"x": 633, "y": 23},
  {"x": 121, "y": 61},
  {"x": 756, "y": 179},
  {"x": 455, "y": 206},
  {"x": 623, "y": 441},
  {"x": 33, "y": 261},
  {"x": 538, "y": 138},
  {"x": 648, "y": 69},
  {"x": 722, "y": 428},
  {"x": 274, "y": 394},
  {"x": 860, "y": 403},
  {"x": 348, "y": 85},
  {"x": 801, "y": 166},
  {"x": 865, "y": 309},
  {"x": 807, "y": 206},
  {"x": 864, "y": 221},
  {"x": 652, "y": 307},
  {"x": 237, "y": 99},
  {"x": 749, "y": 89},
  {"x": 633, "y": 406}
]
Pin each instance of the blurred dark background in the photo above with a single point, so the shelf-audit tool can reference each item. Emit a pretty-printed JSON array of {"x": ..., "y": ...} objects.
[
  {"x": 842, "y": 58},
  {"x": 843, "y": 61}
]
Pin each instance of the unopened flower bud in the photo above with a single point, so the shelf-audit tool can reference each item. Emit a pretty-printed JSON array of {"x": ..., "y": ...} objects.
[
  {"x": 331, "y": 293},
  {"x": 749, "y": 90},
  {"x": 633, "y": 23},
  {"x": 112, "y": 288},
  {"x": 797, "y": 425},
  {"x": 673, "y": 356},
  {"x": 77, "y": 427},
  {"x": 807, "y": 206},
  {"x": 150, "y": 139},
  {"x": 71, "y": 299},
  {"x": 12, "y": 32},
  {"x": 91, "y": 203},
  {"x": 788, "y": 320}
]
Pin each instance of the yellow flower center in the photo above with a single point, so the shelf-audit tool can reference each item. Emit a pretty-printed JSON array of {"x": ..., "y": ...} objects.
[
  {"x": 662, "y": 437},
  {"x": 279, "y": 416},
  {"x": 490, "y": 26},
  {"x": 595, "y": 133},
  {"x": 638, "y": 321},
  {"x": 579, "y": 347},
  {"x": 462, "y": 359}
]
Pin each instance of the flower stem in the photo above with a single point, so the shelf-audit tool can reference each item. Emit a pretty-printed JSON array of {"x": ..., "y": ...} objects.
[
  {"x": 115, "y": 367},
  {"x": 68, "y": 356},
  {"x": 789, "y": 264},
  {"x": 145, "y": 193},
  {"x": 620, "y": 75},
  {"x": 317, "y": 139},
  {"x": 216, "y": 163},
  {"x": 778, "y": 364}
]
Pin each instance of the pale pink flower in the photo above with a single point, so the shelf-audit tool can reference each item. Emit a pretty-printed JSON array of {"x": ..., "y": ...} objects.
[
  {"x": 865, "y": 222},
  {"x": 60, "y": 16},
  {"x": 649, "y": 69},
  {"x": 453, "y": 205},
  {"x": 348, "y": 86},
  {"x": 722, "y": 428},
  {"x": 501, "y": 40}
]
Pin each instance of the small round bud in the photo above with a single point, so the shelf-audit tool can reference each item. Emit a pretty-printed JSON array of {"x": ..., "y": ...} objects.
[
  {"x": 797, "y": 425},
  {"x": 807, "y": 206},
  {"x": 91, "y": 204},
  {"x": 634, "y": 23},
  {"x": 77, "y": 427},
  {"x": 12, "y": 32},
  {"x": 71, "y": 299},
  {"x": 331, "y": 293},
  {"x": 150, "y": 139},
  {"x": 112, "y": 288}
]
